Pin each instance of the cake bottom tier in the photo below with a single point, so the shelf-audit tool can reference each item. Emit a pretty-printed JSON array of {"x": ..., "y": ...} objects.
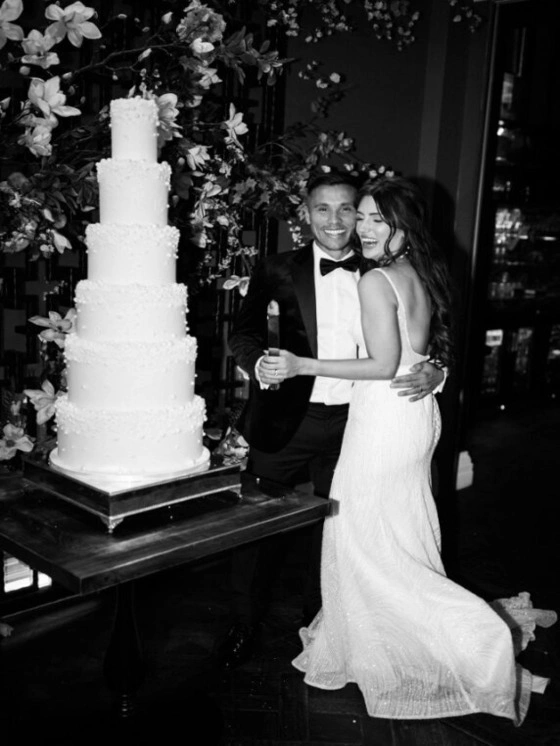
[{"x": 129, "y": 443}]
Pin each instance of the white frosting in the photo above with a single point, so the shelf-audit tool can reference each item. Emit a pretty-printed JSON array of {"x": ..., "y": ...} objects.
[
  {"x": 130, "y": 312},
  {"x": 122, "y": 254},
  {"x": 133, "y": 192},
  {"x": 139, "y": 442},
  {"x": 134, "y": 124},
  {"x": 124, "y": 376},
  {"x": 130, "y": 410}
]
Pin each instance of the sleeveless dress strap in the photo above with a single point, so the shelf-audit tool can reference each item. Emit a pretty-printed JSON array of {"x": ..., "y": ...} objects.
[{"x": 409, "y": 353}]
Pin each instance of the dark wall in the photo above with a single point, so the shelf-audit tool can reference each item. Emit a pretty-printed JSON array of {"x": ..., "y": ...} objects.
[{"x": 383, "y": 107}]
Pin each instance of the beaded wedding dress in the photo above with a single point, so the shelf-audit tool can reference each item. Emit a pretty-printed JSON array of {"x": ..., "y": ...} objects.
[{"x": 417, "y": 644}]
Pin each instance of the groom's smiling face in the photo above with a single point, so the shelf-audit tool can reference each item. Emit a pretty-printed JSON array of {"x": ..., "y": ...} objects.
[{"x": 331, "y": 214}]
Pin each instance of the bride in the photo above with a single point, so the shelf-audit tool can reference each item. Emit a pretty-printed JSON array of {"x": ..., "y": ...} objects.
[{"x": 417, "y": 644}]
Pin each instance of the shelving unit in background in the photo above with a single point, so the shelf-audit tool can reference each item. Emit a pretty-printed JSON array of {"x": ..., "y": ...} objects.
[{"x": 516, "y": 331}]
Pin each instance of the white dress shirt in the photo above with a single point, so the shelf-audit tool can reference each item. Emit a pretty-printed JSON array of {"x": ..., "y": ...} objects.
[{"x": 337, "y": 305}]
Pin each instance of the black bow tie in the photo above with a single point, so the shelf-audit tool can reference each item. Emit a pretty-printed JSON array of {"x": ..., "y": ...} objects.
[{"x": 351, "y": 264}]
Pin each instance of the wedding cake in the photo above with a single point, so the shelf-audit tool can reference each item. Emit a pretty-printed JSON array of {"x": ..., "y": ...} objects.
[{"x": 130, "y": 411}]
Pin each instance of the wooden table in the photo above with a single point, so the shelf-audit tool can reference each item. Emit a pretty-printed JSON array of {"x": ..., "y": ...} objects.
[{"x": 70, "y": 546}]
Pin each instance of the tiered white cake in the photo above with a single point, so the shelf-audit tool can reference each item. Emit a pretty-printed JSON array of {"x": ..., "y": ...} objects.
[{"x": 130, "y": 411}]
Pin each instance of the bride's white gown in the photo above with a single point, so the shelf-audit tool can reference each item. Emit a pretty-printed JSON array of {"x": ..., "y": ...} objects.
[{"x": 417, "y": 644}]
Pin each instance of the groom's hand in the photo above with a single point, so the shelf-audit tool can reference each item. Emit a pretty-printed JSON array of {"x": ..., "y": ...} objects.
[{"x": 420, "y": 382}]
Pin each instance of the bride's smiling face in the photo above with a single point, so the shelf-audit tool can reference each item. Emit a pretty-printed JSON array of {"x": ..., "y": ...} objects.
[{"x": 374, "y": 232}]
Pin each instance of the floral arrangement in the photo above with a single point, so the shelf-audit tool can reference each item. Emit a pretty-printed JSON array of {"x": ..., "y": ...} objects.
[
  {"x": 50, "y": 140},
  {"x": 14, "y": 439},
  {"x": 391, "y": 20},
  {"x": 51, "y": 196}
]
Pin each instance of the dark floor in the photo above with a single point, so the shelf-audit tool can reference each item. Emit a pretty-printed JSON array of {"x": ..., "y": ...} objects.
[{"x": 504, "y": 531}]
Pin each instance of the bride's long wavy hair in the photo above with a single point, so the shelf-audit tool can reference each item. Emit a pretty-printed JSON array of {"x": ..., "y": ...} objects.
[{"x": 402, "y": 206}]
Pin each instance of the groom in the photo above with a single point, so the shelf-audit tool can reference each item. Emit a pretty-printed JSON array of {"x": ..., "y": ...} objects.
[{"x": 295, "y": 431}]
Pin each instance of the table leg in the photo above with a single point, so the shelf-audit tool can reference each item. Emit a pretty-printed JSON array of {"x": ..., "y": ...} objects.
[{"x": 123, "y": 666}]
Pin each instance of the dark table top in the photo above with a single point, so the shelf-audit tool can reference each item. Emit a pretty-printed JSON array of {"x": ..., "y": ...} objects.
[{"x": 72, "y": 546}]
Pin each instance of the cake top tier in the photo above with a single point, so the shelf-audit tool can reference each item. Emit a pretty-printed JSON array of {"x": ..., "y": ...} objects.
[{"x": 134, "y": 124}]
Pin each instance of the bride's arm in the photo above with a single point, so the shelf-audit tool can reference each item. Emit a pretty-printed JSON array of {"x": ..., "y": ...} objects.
[{"x": 381, "y": 334}]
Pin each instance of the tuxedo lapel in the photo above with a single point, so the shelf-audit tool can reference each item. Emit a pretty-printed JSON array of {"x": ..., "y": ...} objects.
[{"x": 304, "y": 285}]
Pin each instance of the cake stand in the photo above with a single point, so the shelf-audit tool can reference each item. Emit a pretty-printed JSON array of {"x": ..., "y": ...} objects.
[{"x": 114, "y": 498}]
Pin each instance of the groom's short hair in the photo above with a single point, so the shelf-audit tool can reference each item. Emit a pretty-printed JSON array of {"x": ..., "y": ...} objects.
[{"x": 330, "y": 178}]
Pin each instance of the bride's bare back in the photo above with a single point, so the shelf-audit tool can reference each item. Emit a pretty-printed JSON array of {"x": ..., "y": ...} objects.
[{"x": 416, "y": 302}]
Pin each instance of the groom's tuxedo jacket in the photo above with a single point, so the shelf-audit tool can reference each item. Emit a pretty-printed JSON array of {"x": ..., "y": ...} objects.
[{"x": 270, "y": 418}]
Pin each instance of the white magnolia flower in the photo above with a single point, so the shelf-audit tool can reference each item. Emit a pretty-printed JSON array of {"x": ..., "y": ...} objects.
[
  {"x": 9, "y": 11},
  {"x": 235, "y": 281},
  {"x": 29, "y": 119},
  {"x": 14, "y": 440},
  {"x": 208, "y": 76},
  {"x": 197, "y": 157},
  {"x": 37, "y": 140},
  {"x": 61, "y": 243},
  {"x": 167, "y": 116},
  {"x": 210, "y": 189},
  {"x": 200, "y": 239},
  {"x": 43, "y": 400},
  {"x": 36, "y": 48},
  {"x": 56, "y": 327},
  {"x": 234, "y": 125},
  {"x": 199, "y": 47},
  {"x": 72, "y": 21},
  {"x": 47, "y": 96}
]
